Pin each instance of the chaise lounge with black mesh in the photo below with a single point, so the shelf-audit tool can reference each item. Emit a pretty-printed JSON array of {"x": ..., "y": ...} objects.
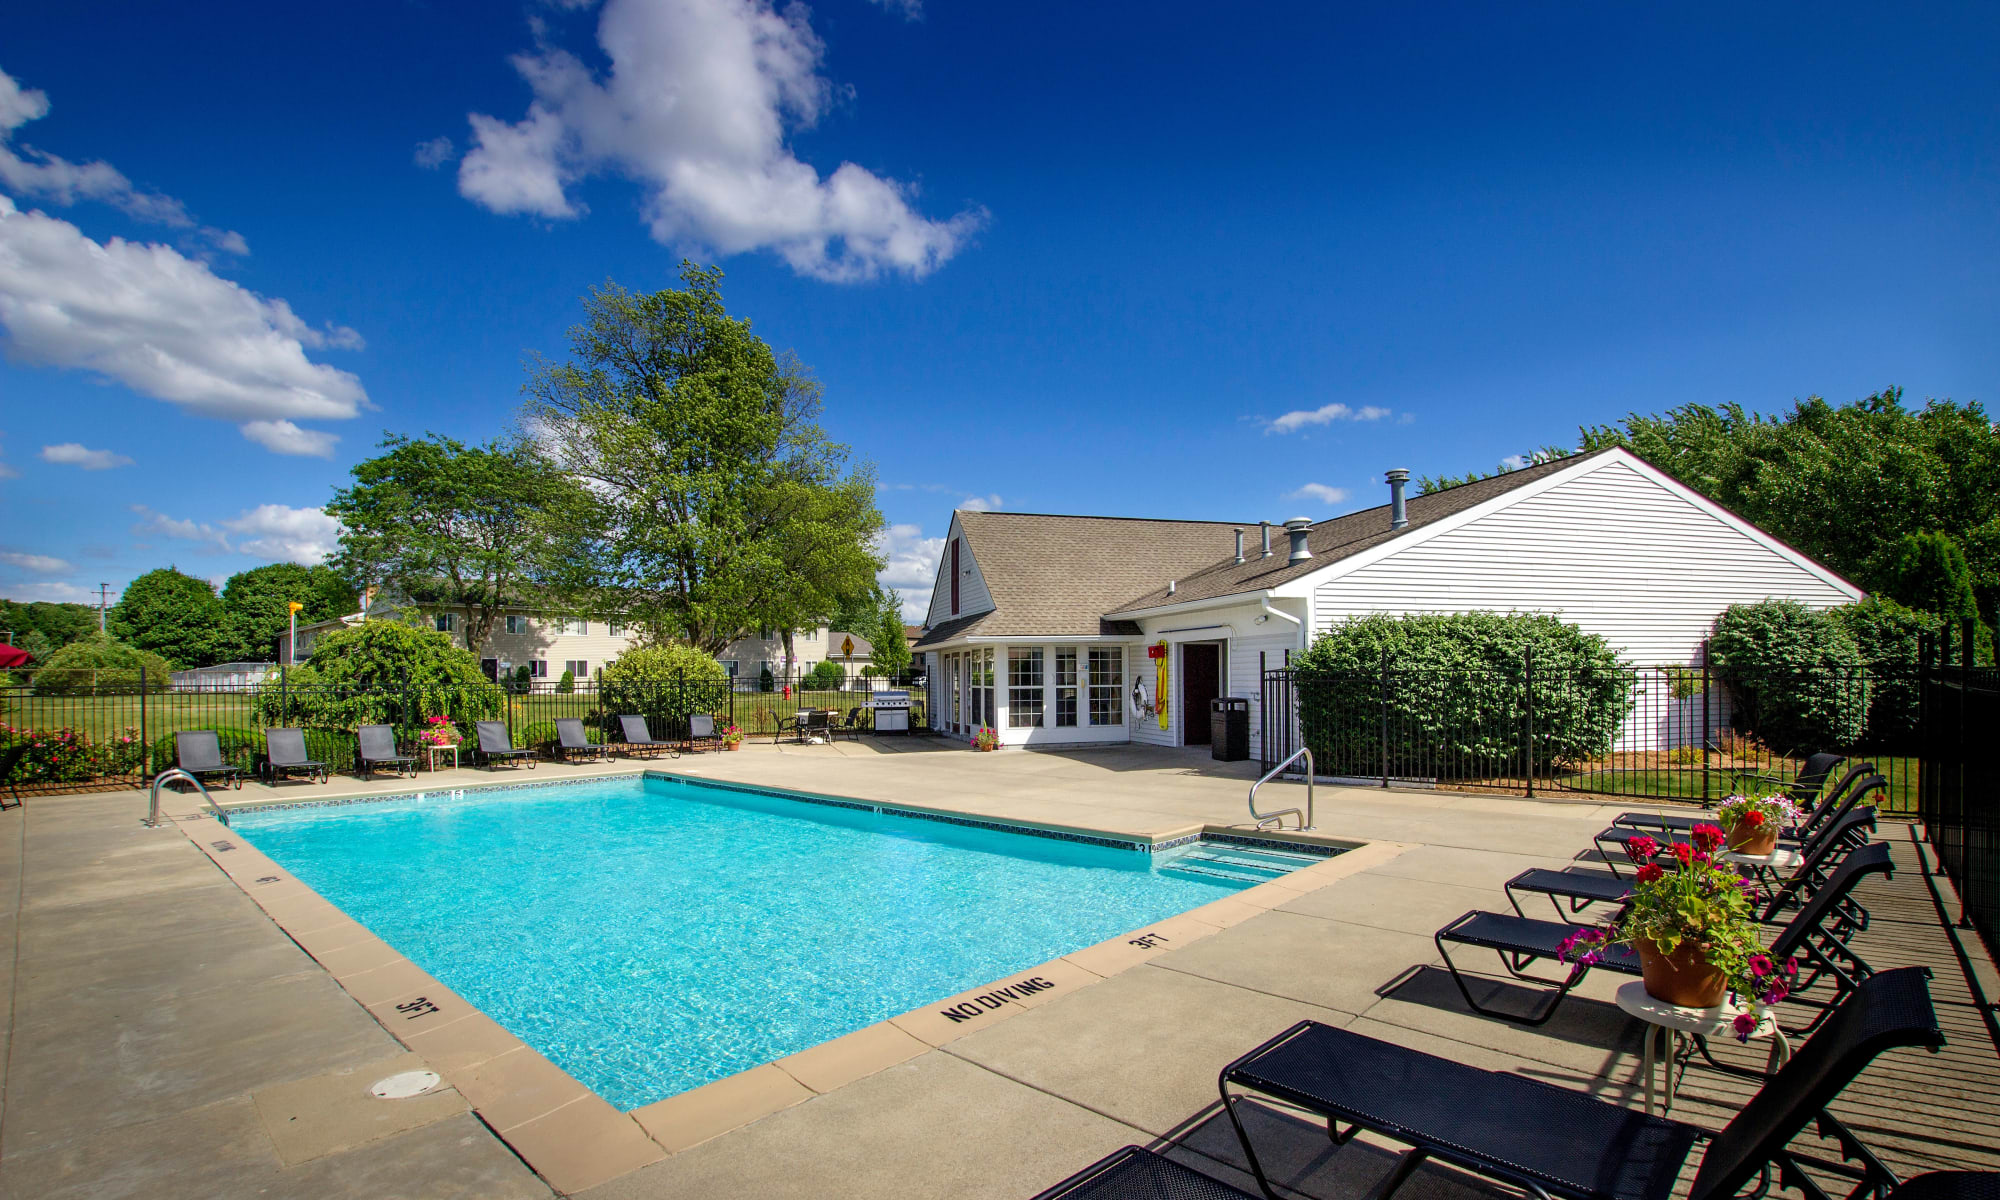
[
  {"x": 1556, "y": 1144},
  {"x": 1803, "y": 790},
  {"x": 10, "y": 767},
  {"x": 639, "y": 741},
  {"x": 199, "y": 753},
  {"x": 495, "y": 745},
  {"x": 1858, "y": 783},
  {"x": 1818, "y": 934},
  {"x": 573, "y": 744},
  {"x": 285, "y": 755},
  {"x": 375, "y": 745},
  {"x": 1584, "y": 886}
]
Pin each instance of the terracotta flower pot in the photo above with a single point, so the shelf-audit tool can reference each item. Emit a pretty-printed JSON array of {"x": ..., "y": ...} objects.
[
  {"x": 1685, "y": 977},
  {"x": 732, "y": 745},
  {"x": 1745, "y": 838}
]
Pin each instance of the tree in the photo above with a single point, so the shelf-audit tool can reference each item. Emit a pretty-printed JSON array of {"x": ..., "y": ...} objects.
[
  {"x": 891, "y": 655},
  {"x": 1437, "y": 483},
  {"x": 440, "y": 522},
  {"x": 664, "y": 683},
  {"x": 1930, "y": 575},
  {"x": 1794, "y": 673},
  {"x": 61, "y": 624},
  {"x": 255, "y": 603},
  {"x": 177, "y": 616},
  {"x": 1844, "y": 484},
  {"x": 97, "y": 663},
  {"x": 719, "y": 505},
  {"x": 382, "y": 671}
]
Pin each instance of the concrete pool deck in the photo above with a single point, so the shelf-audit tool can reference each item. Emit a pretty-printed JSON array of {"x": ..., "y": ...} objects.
[{"x": 166, "y": 1037}]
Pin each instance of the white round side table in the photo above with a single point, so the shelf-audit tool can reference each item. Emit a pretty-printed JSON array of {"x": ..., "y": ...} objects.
[
  {"x": 1685, "y": 1024},
  {"x": 437, "y": 750},
  {"x": 1765, "y": 868}
]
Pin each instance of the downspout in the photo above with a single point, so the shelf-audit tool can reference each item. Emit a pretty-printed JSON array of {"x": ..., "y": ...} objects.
[{"x": 1264, "y": 602}]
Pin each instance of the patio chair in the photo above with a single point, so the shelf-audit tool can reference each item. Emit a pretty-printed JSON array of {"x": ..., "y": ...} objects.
[
  {"x": 702, "y": 734},
  {"x": 638, "y": 738},
  {"x": 1859, "y": 782},
  {"x": 1556, "y": 1144},
  {"x": 572, "y": 743},
  {"x": 1817, "y": 933},
  {"x": 10, "y": 766},
  {"x": 814, "y": 722},
  {"x": 285, "y": 754},
  {"x": 1950, "y": 1185},
  {"x": 197, "y": 752},
  {"x": 1135, "y": 1173},
  {"x": 375, "y": 745},
  {"x": 851, "y": 726},
  {"x": 1583, "y": 886},
  {"x": 495, "y": 744},
  {"x": 1803, "y": 791}
]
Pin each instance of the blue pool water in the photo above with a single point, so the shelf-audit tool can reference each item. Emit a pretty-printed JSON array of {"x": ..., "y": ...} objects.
[{"x": 651, "y": 935}]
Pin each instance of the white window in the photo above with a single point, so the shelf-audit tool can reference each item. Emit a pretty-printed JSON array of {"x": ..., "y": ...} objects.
[
  {"x": 1066, "y": 685},
  {"x": 445, "y": 622},
  {"x": 615, "y": 628},
  {"x": 1107, "y": 686},
  {"x": 578, "y": 667},
  {"x": 574, "y": 628},
  {"x": 1024, "y": 687},
  {"x": 538, "y": 668},
  {"x": 812, "y": 635},
  {"x": 517, "y": 624}
]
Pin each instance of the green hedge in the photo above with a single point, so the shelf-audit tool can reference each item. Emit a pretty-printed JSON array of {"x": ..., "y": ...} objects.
[
  {"x": 1455, "y": 699},
  {"x": 1795, "y": 674}
]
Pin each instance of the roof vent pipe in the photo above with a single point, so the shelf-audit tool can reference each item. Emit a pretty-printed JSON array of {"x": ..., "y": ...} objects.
[
  {"x": 1398, "y": 515},
  {"x": 1239, "y": 545},
  {"x": 1171, "y": 585},
  {"x": 1298, "y": 528},
  {"x": 1265, "y": 528}
]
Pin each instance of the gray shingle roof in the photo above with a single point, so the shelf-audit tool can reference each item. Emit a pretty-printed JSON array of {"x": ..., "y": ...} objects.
[{"x": 1059, "y": 576}]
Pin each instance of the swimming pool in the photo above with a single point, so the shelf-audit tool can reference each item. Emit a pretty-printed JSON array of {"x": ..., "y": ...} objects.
[{"x": 652, "y": 934}]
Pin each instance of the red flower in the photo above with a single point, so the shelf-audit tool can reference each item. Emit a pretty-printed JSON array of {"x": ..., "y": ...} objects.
[
  {"x": 1641, "y": 848},
  {"x": 1683, "y": 852},
  {"x": 1753, "y": 817},
  {"x": 1706, "y": 837},
  {"x": 1651, "y": 872}
]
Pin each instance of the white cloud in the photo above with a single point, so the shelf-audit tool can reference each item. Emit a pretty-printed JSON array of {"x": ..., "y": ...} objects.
[
  {"x": 1318, "y": 491},
  {"x": 50, "y": 177},
  {"x": 1514, "y": 462},
  {"x": 73, "y": 454},
  {"x": 167, "y": 326},
  {"x": 911, "y": 10},
  {"x": 1326, "y": 414},
  {"x": 7, "y": 472},
  {"x": 696, "y": 106},
  {"x": 275, "y": 532},
  {"x": 986, "y": 503},
  {"x": 910, "y": 567},
  {"x": 435, "y": 153},
  {"x": 57, "y": 593},
  {"x": 40, "y": 564}
]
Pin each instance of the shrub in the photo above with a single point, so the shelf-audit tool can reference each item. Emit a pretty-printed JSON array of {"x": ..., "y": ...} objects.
[
  {"x": 567, "y": 683},
  {"x": 663, "y": 683},
  {"x": 765, "y": 680},
  {"x": 1930, "y": 574},
  {"x": 1455, "y": 694},
  {"x": 824, "y": 677},
  {"x": 542, "y": 735},
  {"x": 97, "y": 663},
  {"x": 1794, "y": 673},
  {"x": 68, "y": 756},
  {"x": 381, "y": 672},
  {"x": 1888, "y": 637}
]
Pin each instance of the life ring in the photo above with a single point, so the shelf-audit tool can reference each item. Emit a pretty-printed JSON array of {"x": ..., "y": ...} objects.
[{"x": 1141, "y": 703}]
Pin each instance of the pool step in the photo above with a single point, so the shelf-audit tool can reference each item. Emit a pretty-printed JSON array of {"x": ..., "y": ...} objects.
[{"x": 1242, "y": 864}]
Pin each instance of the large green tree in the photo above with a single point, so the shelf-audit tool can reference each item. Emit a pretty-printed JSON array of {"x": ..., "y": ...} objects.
[
  {"x": 720, "y": 505},
  {"x": 1843, "y": 483},
  {"x": 175, "y": 615},
  {"x": 60, "y": 624},
  {"x": 256, "y": 600},
  {"x": 437, "y": 522}
]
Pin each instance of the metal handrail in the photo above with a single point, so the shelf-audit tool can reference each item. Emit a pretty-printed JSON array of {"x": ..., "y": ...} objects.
[
  {"x": 168, "y": 776},
  {"x": 1306, "y": 817}
]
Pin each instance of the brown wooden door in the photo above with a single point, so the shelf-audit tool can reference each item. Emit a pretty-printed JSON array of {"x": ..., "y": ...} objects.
[{"x": 1201, "y": 681}]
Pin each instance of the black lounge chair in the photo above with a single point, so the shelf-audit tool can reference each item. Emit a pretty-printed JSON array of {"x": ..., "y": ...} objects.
[
  {"x": 702, "y": 734},
  {"x": 197, "y": 752},
  {"x": 1135, "y": 1173},
  {"x": 1817, "y": 933},
  {"x": 639, "y": 738},
  {"x": 285, "y": 754},
  {"x": 375, "y": 745},
  {"x": 1583, "y": 886},
  {"x": 1817, "y": 809},
  {"x": 1950, "y": 1185},
  {"x": 1861, "y": 781},
  {"x": 10, "y": 766},
  {"x": 495, "y": 744},
  {"x": 572, "y": 743},
  {"x": 1803, "y": 790},
  {"x": 1561, "y": 1145}
]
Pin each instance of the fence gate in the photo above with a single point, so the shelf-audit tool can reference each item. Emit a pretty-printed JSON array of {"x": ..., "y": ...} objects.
[{"x": 1959, "y": 797}]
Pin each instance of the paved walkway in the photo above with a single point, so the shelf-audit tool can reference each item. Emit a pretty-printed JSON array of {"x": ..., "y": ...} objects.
[{"x": 166, "y": 1039}]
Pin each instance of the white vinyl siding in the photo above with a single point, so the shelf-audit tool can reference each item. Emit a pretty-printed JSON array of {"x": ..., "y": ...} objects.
[{"x": 973, "y": 596}]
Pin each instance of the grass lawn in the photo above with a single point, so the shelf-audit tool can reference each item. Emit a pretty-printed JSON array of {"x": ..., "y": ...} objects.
[{"x": 1685, "y": 783}]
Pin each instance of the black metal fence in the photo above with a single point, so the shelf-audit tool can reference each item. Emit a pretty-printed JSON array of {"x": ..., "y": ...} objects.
[
  {"x": 120, "y": 731},
  {"x": 1959, "y": 800},
  {"x": 1667, "y": 733}
]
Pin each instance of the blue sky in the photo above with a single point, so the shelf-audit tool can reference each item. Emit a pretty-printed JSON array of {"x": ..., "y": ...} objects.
[{"x": 1054, "y": 258}]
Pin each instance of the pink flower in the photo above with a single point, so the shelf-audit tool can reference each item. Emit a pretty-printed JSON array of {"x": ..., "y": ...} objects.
[
  {"x": 1745, "y": 1024},
  {"x": 1760, "y": 965}
]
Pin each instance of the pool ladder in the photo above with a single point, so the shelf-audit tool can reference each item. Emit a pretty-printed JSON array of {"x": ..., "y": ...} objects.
[
  {"x": 168, "y": 776},
  {"x": 1277, "y": 819}
]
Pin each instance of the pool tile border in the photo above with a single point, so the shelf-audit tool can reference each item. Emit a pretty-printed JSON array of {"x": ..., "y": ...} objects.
[{"x": 574, "y": 1139}]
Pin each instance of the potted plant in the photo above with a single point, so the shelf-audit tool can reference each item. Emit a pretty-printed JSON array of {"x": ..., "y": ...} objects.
[
  {"x": 438, "y": 731},
  {"x": 986, "y": 739},
  {"x": 1752, "y": 823},
  {"x": 732, "y": 738},
  {"x": 1691, "y": 921}
]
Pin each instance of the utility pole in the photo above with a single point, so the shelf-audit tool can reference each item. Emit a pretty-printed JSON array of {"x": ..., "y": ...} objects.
[{"x": 103, "y": 603}]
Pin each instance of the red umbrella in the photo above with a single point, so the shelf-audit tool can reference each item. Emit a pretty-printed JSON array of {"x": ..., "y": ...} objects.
[{"x": 13, "y": 656}]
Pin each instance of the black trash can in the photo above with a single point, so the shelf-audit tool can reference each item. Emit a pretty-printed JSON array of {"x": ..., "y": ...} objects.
[{"x": 1229, "y": 729}]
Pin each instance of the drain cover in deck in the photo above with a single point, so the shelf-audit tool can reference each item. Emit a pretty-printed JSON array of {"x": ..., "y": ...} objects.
[{"x": 405, "y": 1085}]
